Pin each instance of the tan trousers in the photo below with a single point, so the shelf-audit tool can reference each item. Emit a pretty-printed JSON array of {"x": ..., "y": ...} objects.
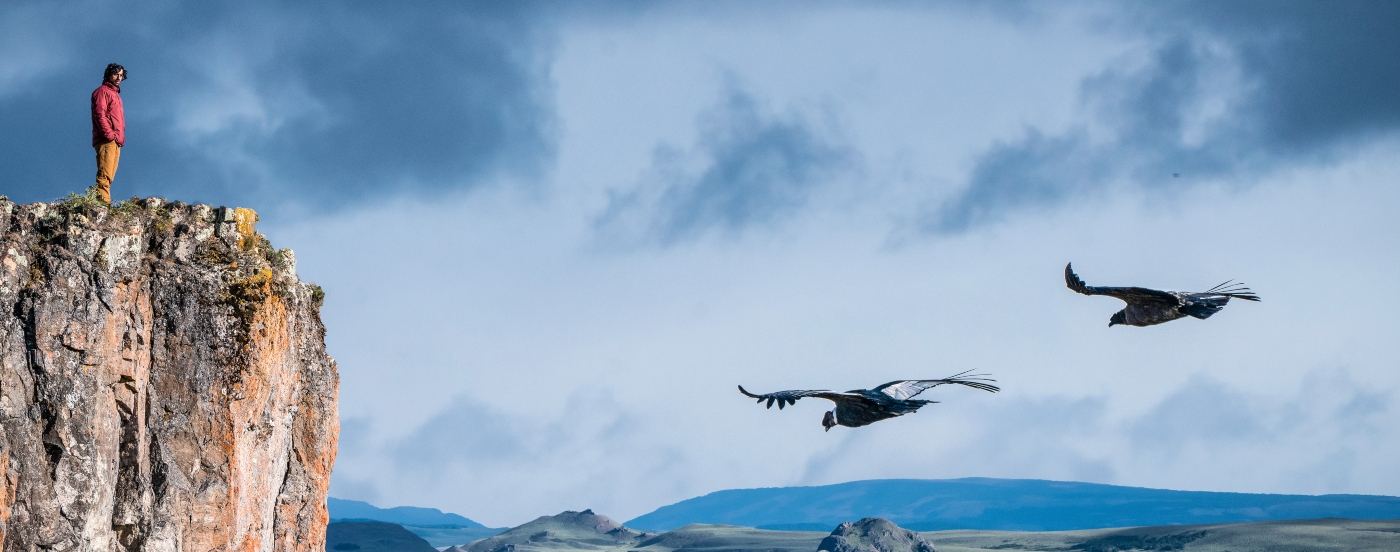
[{"x": 107, "y": 155}]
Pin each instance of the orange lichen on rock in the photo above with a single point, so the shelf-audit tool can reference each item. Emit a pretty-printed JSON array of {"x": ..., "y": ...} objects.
[
  {"x": 244, "y": 219},
  {"x": 7, "y": 491}
]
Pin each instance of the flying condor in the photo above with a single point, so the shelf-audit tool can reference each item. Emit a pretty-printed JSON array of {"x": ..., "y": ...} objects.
[
  {"x": 867, "y": 406},
  {"x": 1149, "y": 306}
]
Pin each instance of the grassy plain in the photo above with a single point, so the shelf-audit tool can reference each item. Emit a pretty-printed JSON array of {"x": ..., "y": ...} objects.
[
  {"x": 1272, "y": 536},
  {"x": 549, "y": 535}
]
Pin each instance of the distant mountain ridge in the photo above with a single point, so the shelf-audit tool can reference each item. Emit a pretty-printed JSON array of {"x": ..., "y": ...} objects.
[
  {"x": 437, "y": 527},
  {"x": 402, "y": 515},
  {"x": 1000, "y": 504}
]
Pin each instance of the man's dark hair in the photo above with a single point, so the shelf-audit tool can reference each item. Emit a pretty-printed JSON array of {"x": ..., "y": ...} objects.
[{"x": 112, "y": 69}]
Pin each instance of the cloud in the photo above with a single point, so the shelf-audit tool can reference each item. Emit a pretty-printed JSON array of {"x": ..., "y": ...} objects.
[
  {"x": 352, "y": 488},
  {"x": 1321, "y": 437},
  {"x": 754, "y": 167},
  {"x": 1324, "y": 73},
  {"x": 481, "y": 296},
  {"x": 1235, "y": 89},
  {"x": 319, "y": 103},
  {"x": 1052, "y": 437},
  {"x": 1209, "y": 414},
  {"x": 469, "y": 434},
  {"x": 490, "y": 298},
  {"x": 1201, "y": 411},
  {"x": 591, "y": 453}
]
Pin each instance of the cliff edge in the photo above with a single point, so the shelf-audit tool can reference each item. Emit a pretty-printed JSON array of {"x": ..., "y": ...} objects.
[{"x": 164, "y": 382}]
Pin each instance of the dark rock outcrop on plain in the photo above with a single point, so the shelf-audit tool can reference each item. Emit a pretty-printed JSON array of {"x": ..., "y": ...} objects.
[
  {"x": 874, "y": 535},
  {"x": 164, "y": 383},
  {"x": 568, "y": 530},
  {"x": 373, "y": 536}
]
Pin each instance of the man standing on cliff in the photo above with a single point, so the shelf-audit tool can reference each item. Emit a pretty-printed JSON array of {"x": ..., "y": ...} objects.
[{"x": 108, "y": 129}]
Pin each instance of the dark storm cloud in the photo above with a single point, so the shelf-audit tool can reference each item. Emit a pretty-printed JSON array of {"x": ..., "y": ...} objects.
[
  {"x": 1309, "y": 79},
  {"x": 756, "y": 168},
  {"x": 321, "y": 103},
  {"x": 1325, "y": 71}
]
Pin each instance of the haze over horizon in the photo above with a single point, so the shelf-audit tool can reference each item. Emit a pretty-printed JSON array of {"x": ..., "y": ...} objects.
[{"x": 554, "y": 237}]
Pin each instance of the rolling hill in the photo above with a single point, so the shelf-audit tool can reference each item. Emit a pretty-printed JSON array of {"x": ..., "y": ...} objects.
[
  {"x": 566, "y": 531},
  {"x": 373, "y": 536},
  {"x": 1000, "y": 504}
]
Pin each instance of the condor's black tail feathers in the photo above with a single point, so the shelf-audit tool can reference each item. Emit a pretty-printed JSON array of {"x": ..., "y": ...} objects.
[
  {"x": 975, "y": 381},
  {"x": 1235, "y": 290}
]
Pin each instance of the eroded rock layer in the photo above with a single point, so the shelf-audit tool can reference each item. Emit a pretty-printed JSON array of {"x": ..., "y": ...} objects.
[{"x": 164, "y": 383}]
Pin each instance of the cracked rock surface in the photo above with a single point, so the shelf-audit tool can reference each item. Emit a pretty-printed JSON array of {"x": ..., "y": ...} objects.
[{"x": 164, "y": 382}]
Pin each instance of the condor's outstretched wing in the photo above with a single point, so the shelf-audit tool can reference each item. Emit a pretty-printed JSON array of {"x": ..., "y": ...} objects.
[
  {"x": 790, "y": 397},
  {"x": 906, "y": 389},
  {"x": 1127, "y": 294}
]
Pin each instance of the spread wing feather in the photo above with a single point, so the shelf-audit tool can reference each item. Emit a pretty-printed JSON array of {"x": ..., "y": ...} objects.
[
  {"x": 906, "y": 389},
  {"x": 1127, "y": 294},
  {"x": 783, "y": 398}
]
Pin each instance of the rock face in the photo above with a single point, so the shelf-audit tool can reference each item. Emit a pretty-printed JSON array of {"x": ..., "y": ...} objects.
[
  {"x": 164, "y": 383},
  {"x": 874, "y": 535}
]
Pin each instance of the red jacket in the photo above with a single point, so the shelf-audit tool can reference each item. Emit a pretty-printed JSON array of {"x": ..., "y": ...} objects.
[{"x": 108, "y": 122}]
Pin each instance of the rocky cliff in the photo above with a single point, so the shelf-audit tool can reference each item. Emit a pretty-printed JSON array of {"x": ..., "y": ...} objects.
[{"x": 164, "y": 383}]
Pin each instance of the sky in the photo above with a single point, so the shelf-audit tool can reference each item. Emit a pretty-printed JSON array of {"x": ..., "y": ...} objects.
[{"x": 554, "y": 236}]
